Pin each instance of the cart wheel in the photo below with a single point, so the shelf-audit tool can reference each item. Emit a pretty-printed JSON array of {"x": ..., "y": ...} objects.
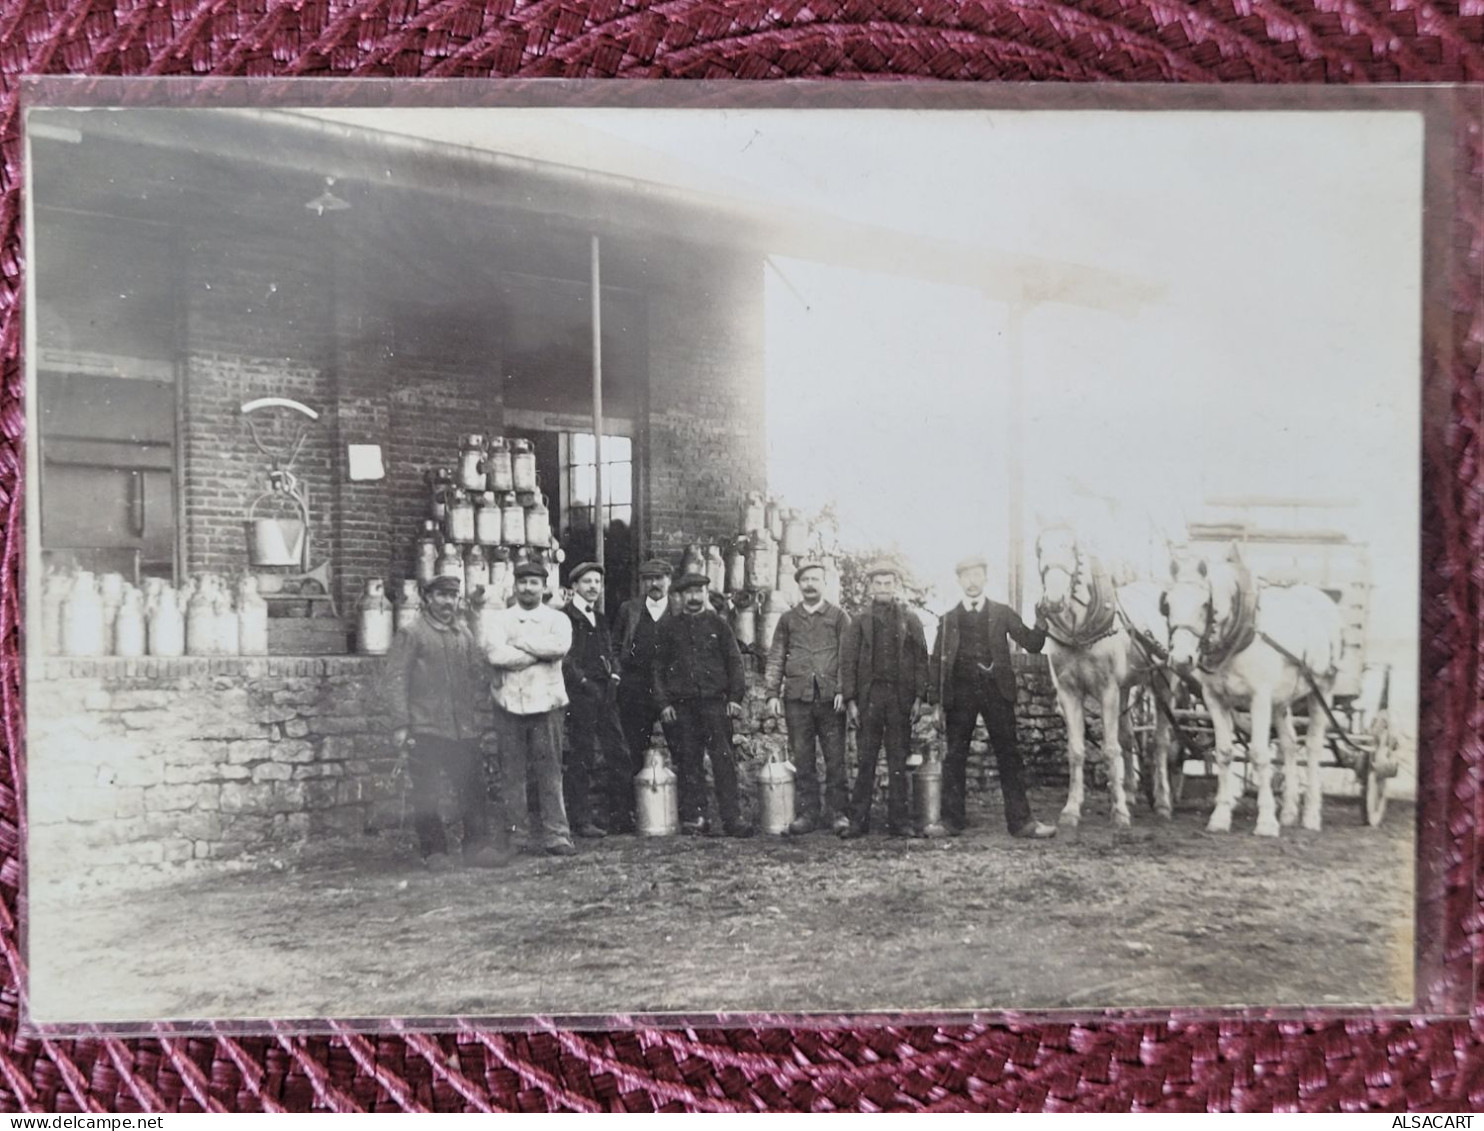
[
  {"x": 1376, "y": 768},
  {"x": 1177, "y": 775},
  {"x": 1373, "y": 798}
]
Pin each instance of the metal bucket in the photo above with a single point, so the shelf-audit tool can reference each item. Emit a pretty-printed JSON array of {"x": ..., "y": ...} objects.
[{"x": 275, "y": 541}]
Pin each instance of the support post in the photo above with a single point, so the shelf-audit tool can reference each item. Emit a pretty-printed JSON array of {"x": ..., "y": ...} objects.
[{"x": 597, "y": 300}]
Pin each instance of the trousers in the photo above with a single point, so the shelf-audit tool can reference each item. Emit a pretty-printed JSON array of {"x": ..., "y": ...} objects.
[
  {"x": 637, "y": 714},
  {"x": 970, "y": 704},
  {"x": 701, "y": 728},
  {"x": 883, "y": 720},
  {"x": 532, "y": 745},
  {"x": 813, "y": 727},
  {"x": 597, "y": 757},
  {"x": 431, "y": 761}
]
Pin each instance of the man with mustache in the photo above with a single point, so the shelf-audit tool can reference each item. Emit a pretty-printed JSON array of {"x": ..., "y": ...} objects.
[
  {"x": 637, "y": 627},
  {"x": 699, "y": 684},
  {"x": 803, "y": 684}
]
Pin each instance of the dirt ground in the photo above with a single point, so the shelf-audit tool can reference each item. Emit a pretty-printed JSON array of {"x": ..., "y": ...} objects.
[{"x": 1163, "y": 916}]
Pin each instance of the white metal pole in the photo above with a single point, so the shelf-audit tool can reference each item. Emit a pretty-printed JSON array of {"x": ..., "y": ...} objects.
[{"x": 597, "y": 403}]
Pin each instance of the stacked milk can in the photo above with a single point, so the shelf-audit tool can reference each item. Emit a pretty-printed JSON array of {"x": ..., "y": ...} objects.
[
  {"x": 486, "y": 515},
  {"x": 757, "y": 566},
  {"x": 84, "y": 614}
]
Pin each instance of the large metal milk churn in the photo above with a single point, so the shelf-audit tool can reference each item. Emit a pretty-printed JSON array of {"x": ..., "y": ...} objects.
[
  {"x": 167, "y": 634},
  {"x": 754, "y": 513},
  {"x": 795, "y": 532},
  {"x": 409, "y": 607},
  {"x": 471, "y": 464},
  {"x": 762, "y": 561},
  {"x": 440, "y": 485},
  {"x": 774, "y": 523},
  {"x": 476, "y": 570},
  {"x": 451, "y": 563},
  {"x": 768, "y": 625},
  {"x": 252, "y": 619},
  {"x": 375, "y": 620},
  {"x": 744, "y": 622},
  {"x": 716, "y": 569},
  {"x": 460, "y": 524},
  {"x": 425, "y": 565},
  {"x": 82, "y": 618},
  {"x": 201, "y": 634},
  {"x": 538, "y": 523},
  {"x": 775, "y": 795},
  {"x": 498, "y": 471},
  {"x": 487, "y": 519},
  {"x": 512, "y": 521},
  {"x": 128, "y": 625},
  {"x": 228, "y": 627},
  {"x": 927, "y": 798},
  {"x": 523, "y": 466},
  {"x": 656, "y": 806},
  {"x": 737, "y": 565}
]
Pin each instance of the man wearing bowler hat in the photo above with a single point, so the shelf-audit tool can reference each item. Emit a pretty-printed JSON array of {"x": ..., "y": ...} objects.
[
  {"x": 803, "y": 684},
  {"x": 435, "y": 685},
  {"x": 972, "y": 678},
  {"x": 699, "y": 684},
  {"x": 594, "y": 737},
  {"x": 637, "y": 627},
  {"x": 526, "y": 644},
  {"x": 883, "y": 677}
]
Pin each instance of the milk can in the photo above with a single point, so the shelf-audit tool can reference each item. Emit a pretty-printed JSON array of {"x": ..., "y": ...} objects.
[
  {"x": 694, "y": 560},
  {"x": 775, "y": 795},
  {"x": 476, "y": 570},
  {"x": 375, "y": 620},
  {"x": 771, "y": 616},
  {"x": 425, "y": 566},
  {"x": 762, "y": 561},
  {"x": 754, "y": 513},
  {"x": 538, "y": 523},
  {"x": 228, "y": 627},
  {"x": 52, "y": 597},
  {"x": 201, "y": 634},
  {"x": 927, "y": 798},
  {"x": 451, "y": 563},
  {"x": 512, "y": 521},
  {"x": 774, "y": 523},
  {"x": 523, "y": 466},
  {"x": 440, "y": 483},
  {"x": 501, "y": 579},
  {"x": 252, "y": 618},
  {"x": 460, "y": 524},
  {"x": 128, "y": 625},
  {"x": 409, "y": 605},
  {"x": 744, "y": 624},
  {"x": 167, "y": 625},
  {"x": 716, "y": 569},
  {"x": 737, "y": 565},
  {"x": 656, "y": 807},
  {"x": 487, "y": 520},
  {"x": 471, "y": 464},
  {"x": 82, "y": 618},
  {"x": 498, "y": 473},
  {"x": 795, "y": 532}
]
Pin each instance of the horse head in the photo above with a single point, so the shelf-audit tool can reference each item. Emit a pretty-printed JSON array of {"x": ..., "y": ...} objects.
[
  {"x": 1187, "y": 608},
  {"x": 1059, "y": 561}
]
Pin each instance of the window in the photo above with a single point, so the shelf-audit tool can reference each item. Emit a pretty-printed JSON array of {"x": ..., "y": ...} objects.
[{"x": 580, "y": 480}]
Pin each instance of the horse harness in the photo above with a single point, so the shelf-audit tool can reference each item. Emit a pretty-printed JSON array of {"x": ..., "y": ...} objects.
[{"x": 1101, "y": 622}]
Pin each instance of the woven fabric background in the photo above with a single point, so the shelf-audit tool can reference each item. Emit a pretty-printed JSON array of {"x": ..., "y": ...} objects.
[{"x": 1168, "y": 1065}]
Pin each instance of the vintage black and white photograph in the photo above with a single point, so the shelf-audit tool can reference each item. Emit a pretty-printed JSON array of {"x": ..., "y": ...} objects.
[{"x": 578, "y": 561}]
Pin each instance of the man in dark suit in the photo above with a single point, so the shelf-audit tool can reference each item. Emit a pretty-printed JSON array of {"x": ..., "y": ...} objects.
[
  {"x": 637, "y": 628},
  {"x": 972, "y": 677},
  {"x": 592, "y": 718},
  {"x": 884, "y": 680}
]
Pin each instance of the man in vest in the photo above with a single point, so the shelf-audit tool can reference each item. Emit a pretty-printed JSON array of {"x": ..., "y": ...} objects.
[
  {"x": 883, "y": 678},
  {"x": 439, "y": 706},
  {"x": 526, "y": 643},
  {"x": 637, "y": 627},
  {"x": 592, "y": 677},
  {"x": 699, "y": 684},
  {"x": 803, "y": 684},
  {"x": 972, "y": 678}
]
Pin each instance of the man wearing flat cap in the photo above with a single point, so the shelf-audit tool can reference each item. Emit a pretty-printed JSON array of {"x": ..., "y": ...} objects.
[
  {"x": 439, "y": 706},
  {"x": 883, "y": 677},
  {"x": 594, "y": 738},
  {"x": 526, "y": 644},
  {"x": 637, "y": 627},
  {"x": 699, "y": 684},
  {"x": 802, "y": 681},
  {"x": 972, "y": 678}
]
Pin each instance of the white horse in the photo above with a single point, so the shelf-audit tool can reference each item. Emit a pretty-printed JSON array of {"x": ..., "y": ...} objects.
[
  {"x": 1240, "y": 641},
  {"x": 1094, "y": 656}
]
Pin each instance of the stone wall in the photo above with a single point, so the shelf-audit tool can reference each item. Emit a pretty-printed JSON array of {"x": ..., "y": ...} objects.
[{"x": 140, "y": 766}]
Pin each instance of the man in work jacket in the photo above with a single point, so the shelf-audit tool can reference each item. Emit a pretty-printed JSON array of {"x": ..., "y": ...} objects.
[
  {"x": 637, "y": 627},
  {"x": 972, "y": 678},
  {"x": 883, "y": 677},
  {"x": 439, "y": 706},
  {"x": 699, "y": 684},
  {"x": 594, "y": 738},
  {"x": 802, "y": 680}
]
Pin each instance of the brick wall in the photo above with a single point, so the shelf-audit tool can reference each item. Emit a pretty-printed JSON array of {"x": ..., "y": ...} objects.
[{"x": 706, "y": 437}]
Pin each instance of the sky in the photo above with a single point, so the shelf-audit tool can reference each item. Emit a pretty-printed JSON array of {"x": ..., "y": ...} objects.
[{"x": 1280, "y": 360}]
